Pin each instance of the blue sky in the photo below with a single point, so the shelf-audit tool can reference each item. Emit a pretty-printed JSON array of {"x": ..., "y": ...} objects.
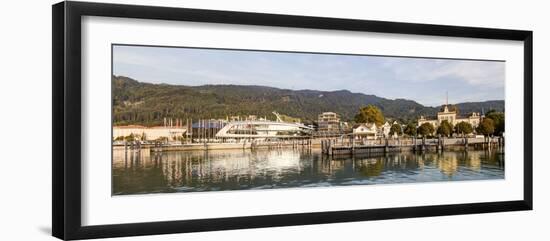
[{"x": 423, "y": 80}]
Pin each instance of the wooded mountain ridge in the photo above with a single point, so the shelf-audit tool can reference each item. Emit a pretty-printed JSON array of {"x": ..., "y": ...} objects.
[{"x": 148, "y": 104}]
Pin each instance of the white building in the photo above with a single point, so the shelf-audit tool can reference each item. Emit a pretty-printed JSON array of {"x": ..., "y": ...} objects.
[
  {"x": 328, "y": 121},
  {"x": 384, "y": 130},
  {"x": 365, "y": 131},
  {"x": 451, "y": 116},
  {"x": 150, "y": 133},
  {"x": 263, "y": 129}
]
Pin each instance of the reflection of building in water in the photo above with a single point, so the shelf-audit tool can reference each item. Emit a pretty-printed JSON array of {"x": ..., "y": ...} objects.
[
  {"x": 473, "y": 160},
  {"x": 374, "y": 166},
  {"x": 371, "y": 167},
  {"x": 450, "y": 161},
  {"x": 128, "y": 159},
  {"x": 138, "y": 172},
  {"x": 448, "y": 165},
  {"x": 218, "y": 167}
]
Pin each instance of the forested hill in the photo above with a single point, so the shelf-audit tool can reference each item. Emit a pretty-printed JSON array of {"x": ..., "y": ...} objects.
[{"x": 147, "y": 104}]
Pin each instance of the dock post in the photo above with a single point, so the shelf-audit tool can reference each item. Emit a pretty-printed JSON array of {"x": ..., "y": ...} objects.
[
  {"x": 352, "y": 145},
  {"x": 330, "y": 148},
  {"x": 423, "y": 147}
]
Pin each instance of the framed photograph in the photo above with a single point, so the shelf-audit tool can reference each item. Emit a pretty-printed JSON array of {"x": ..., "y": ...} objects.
[{"x": 170, "y": 120}]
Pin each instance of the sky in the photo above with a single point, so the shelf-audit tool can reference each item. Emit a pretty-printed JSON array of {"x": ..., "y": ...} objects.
[{"x": 424, "y": 80}]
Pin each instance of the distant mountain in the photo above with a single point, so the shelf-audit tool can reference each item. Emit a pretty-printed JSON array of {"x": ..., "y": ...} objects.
[{"x": 147, "y": 104}]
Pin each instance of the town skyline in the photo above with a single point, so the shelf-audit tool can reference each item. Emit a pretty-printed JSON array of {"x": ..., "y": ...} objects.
[{"x": 388, "y": 77}]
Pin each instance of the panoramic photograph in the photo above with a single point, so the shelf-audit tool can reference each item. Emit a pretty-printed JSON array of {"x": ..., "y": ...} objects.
[{"x": 202, "y": 119}]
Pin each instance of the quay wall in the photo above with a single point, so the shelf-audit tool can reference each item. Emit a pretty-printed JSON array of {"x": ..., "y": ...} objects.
[{"x": 336, "y": 145}]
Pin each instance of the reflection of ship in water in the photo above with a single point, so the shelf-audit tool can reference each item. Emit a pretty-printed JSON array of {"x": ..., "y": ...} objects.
[{"x": 145, "y": 172}]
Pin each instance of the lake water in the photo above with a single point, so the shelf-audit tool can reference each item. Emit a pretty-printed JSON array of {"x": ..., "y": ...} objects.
[{"x": 191, "y": 171}]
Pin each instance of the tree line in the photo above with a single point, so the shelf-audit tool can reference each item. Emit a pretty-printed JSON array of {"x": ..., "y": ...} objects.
[
  {"x": 138, "y": 103},
  {"x": 491, "y": 124}
]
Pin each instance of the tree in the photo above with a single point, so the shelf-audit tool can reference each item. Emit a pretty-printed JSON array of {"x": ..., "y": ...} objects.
[
  {"x": 130, "y": 137},
  {"x": 445, "y": 128},
  {"x": 486, "y": 127},
  {"x": 464, "y": 128},
  {"x": 426, "y": 129},
  {"x": 395, "y": 129},
  {"x": 410, "y": 129},
  {"x": 370, "y": 113},
  {"x": 498, "y": 119}
]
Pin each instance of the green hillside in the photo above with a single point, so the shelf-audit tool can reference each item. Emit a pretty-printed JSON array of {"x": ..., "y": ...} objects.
[{"x": 147, "y": 104}]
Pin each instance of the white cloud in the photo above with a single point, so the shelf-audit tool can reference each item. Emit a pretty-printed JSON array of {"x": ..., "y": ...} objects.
[{"x": 475, "y": 73}]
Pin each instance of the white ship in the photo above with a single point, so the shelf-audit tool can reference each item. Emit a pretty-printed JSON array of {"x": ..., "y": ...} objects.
[{"x": 264, "y": 129}]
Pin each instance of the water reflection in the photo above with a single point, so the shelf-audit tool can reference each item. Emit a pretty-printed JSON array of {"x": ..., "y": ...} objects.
[{"x": 145, "y": 172}]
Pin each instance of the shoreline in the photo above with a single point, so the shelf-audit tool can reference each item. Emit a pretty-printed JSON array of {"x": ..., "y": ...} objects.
[{"x": 342, "y": 146}]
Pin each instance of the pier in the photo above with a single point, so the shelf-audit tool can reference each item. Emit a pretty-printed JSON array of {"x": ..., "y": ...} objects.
[
  {"x": 248, "y": 144},
  {"x": 350, "y": 146},
  {"x": 343, "y": 145}
]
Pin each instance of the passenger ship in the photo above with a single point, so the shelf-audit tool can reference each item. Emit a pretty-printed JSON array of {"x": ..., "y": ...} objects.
[{"x": 264, "y": 129}]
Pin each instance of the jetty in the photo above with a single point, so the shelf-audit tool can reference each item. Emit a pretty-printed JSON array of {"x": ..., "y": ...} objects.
[
  {"x": 351, "y": 146},
  {"x": 249, "y": 144}
]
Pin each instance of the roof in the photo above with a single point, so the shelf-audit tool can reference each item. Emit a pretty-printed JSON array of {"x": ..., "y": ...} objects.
[{"x": 368, "y": 125}]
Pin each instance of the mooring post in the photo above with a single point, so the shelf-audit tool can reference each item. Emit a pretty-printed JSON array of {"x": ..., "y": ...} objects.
[
  {"x": 352, "y": 144},
  {"x": 423, "y": 147},
  {"x": 330, "y": 148}
]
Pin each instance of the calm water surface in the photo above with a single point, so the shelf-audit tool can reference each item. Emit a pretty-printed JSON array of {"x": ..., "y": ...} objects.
[{"x": 191, "y": 171}]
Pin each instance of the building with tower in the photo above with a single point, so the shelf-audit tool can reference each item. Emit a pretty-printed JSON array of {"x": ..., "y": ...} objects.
[{"x": 451, "y": 115}]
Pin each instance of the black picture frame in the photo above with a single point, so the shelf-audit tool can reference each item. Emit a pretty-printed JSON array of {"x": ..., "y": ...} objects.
[{"x": 66, "y": 123}]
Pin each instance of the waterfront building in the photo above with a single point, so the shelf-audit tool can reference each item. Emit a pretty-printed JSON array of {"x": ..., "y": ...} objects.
[
  {"x": 148, "y": 133},
  {"x": 384, "y": 130},
  {"x": 328, "y": 121},
  {"x": 452, "y": 117},
  {"x": 263, "y": 129},
  {"x": 204, "y": 129},
  {"x": 365, "y": 131}
]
